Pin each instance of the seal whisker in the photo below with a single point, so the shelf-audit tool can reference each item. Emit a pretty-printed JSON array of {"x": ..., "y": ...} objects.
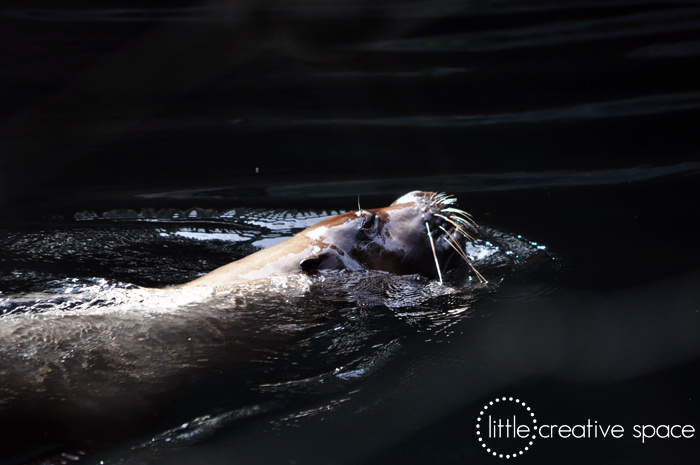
[
  {"x": 456, "y": 225},
  {"x": 432, "y": 246},
  {"x": 458, "y": 248},
  {"x": 435, "y": 199},
  {"x": 447, "y": 199},
  {"x": 440, "y": 198},
  {"x": 469, "y": 224},
  {"x": 455, "y": 245},
  {"x": 461, "y": 214},
  {"x": 458, "y": 211}
]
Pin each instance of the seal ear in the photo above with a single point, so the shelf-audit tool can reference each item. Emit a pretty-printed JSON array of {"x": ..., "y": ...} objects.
[{"x": 312, "y": 263}]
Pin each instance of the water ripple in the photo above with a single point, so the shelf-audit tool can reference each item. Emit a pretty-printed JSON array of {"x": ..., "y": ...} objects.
[
  {"x": 635, "y": 106},
  {"x": 556, "y": 33}
]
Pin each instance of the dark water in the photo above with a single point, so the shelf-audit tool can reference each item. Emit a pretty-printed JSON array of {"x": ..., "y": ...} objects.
[{"x": 149, "y": 143}]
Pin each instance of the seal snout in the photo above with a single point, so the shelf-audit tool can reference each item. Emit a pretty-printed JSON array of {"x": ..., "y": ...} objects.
[{"x": 447, "y": 227}]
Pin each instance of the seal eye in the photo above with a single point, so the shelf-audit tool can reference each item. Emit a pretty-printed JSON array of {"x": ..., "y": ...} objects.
[
  {"x": 312, "y": 263},
  {"x": 369, "y": 221}
]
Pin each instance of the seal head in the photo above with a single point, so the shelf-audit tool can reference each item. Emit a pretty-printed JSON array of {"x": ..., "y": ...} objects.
[{"x": 419, "y": 233}]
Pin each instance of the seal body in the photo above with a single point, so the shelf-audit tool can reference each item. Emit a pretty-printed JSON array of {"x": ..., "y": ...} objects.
[
  {"x": 420, "y": 233},
  {"x": 128, "y": 362}
]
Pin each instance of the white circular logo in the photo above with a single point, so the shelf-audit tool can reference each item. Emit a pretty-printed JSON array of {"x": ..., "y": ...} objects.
[{"x": 506, "y": 427}]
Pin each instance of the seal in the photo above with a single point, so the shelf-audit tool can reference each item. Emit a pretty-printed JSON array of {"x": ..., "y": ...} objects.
[
  {"x": 138, "y": 358},
  {"x": 419, "y": 233}
]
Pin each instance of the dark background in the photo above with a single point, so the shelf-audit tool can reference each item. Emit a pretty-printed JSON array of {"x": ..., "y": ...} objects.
[
  {"x": 574, "y": 123},
  {"x": 98, "y": 102}
]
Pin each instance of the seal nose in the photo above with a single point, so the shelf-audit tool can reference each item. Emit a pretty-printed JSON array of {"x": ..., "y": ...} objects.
[{"x": 412, "y": 197}]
